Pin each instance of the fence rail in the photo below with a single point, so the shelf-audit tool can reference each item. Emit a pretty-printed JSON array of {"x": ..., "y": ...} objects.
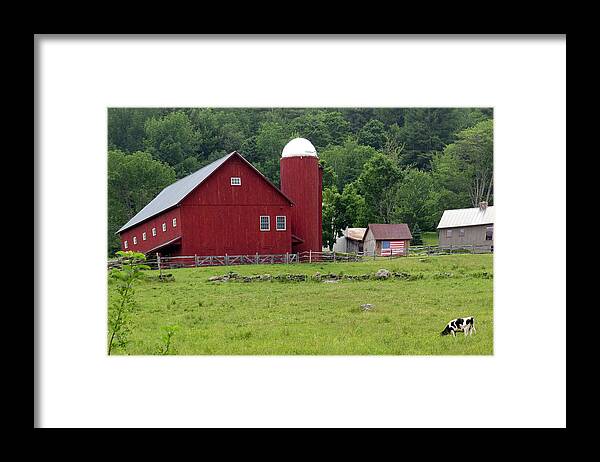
[{"x": 192, "y": 261}]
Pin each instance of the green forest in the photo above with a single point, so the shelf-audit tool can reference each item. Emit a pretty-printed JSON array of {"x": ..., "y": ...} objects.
[{"x": 381, "y": 165}]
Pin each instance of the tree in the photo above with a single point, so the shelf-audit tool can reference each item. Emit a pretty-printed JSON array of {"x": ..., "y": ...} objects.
[
  {"x": 347, "y": 160},
  {"x": 474, "y": 147},
  {"x": 322, "y": 127},
  {"x": 378, "y": 185},
  {"x": 270, "y": 141},
  {"x": 133, "y": 181},
  {"x": 330, "y": 214},
  {"x": 353, "y": 212},
  {"x": 121, "y": 307},
  {"x": 415, "y": 201},
  {"x": 425, "y": 131},
  {"x": 417, "y": 236},
  {"x": 373, "y": 134},
  {"x": 126, "y": 127},
  {"x": 170, "y": 138},
  {"x": 329, "y": 176},
  {"x": 450, "y": 184},
  {"x": 341, "y": 210},
  {"x": 188, "y": 166}
]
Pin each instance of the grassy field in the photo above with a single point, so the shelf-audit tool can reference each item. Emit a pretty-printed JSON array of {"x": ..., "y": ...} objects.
[
  {"x": 430, "y": 237},
  {"x": 324, "y": 318}
]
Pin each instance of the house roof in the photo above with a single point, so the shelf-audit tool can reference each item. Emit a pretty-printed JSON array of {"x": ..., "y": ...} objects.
[
  {"x": 175, "y": 193},
  {"x": 389, "y": 231},
  {"x": 467, "y": 217},
  {"x": 356, "y": 234}
]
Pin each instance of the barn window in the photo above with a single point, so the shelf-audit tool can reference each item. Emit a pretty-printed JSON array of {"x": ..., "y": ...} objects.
[
  {"x": 144, "y": 236},
  {"x": 125, "y": 244},
  {"x": 280, "y": 223},
  {"x": 461, "y": 233},
  {"x": 174, "y": 222},
  {"x": 134, "y": 240},
  {"x": 448, "y": 233},
  {"x": 164, "y": 227},
  {"x": 236, "y": 181},
  {"x": 265, "y": 223},
  {"x": 489, "y": 233},
  {"x": 154, "y": 231}
]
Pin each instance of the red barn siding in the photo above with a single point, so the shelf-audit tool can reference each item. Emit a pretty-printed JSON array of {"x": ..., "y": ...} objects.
[
  {"x": 218, "y": 218},
  {"x": 301, "y": 181},
  {"x": 161, "y": 236}
]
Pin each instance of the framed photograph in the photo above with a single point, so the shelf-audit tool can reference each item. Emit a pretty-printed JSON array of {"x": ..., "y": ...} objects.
[{"x": 300, "y": 231}]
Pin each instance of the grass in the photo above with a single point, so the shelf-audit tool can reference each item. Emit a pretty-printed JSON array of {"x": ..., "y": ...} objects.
[
  {"x": 317, "y": 318},
  {"x": 430, "y": 237}
]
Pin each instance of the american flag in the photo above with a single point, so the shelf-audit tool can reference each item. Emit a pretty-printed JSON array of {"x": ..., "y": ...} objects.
[{"x": 392, "y": 248}]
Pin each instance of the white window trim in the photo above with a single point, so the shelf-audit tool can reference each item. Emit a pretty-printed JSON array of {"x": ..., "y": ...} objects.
[
  {"x": 144, "y": 236},
  {"x": 239, "y": 179},
  {"x": 154, "y": 231},
  {"x": 448, "y": 233},
  {"x": 461, "y": 232},
  {"x": 277, "y": 228},
  {"x": 125, "y": 244},
  {"x": 260, "y": 221},
  {"x": 164, "y": 227},
  {"x": 174, "y": 222},
  {"x": 134, "y": 240}
]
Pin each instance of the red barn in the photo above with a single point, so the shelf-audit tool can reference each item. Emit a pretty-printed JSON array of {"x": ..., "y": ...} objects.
[{"x": 229, "y": 207}]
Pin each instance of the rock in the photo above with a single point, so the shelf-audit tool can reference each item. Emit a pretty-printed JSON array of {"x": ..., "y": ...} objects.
[
  {"x": 367, "y": 307},
  {"x": 382, "y": 274},
  {"x": 265, "y": 277},
  {"x": 214, "y": 278},
  {"x": 330, "y": 281}
]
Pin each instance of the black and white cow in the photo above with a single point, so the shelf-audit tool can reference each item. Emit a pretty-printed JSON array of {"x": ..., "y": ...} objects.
[{"x": 466, "y": 325}]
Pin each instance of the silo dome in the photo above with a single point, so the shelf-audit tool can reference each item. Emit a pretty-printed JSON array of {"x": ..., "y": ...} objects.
[{"x": 299, "y": 147}]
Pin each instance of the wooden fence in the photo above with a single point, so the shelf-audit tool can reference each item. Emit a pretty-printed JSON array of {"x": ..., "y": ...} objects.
[{"x": 158, "y": 262}]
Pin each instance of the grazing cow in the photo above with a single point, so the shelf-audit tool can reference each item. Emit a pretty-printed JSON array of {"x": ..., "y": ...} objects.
[{"x": 466, "y": 325}]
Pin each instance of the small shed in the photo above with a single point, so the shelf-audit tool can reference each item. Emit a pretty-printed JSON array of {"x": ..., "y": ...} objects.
[
  {"x": 465, "y": 228},
  {"x": 387, "y": 239},
  {"x": 351, "y": 240}
]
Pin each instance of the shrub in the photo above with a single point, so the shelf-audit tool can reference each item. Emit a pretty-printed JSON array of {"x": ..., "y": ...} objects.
[{"x": 119, "y": 313}]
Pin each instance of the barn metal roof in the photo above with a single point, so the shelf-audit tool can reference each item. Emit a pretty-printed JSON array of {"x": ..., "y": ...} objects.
[
  {"x": 389, "y": 231},
  {"x": 355, "y": 234},
  {"x": 173, "y": 194},
  {"x": 467, "y": 217}
]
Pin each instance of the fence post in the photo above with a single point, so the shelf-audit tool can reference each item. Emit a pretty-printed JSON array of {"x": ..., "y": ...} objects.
[
  {"x": 195, "y": 260},
  {"x": 310, "y": 256},
  {"x": 334, "y": 257},
  {"x": 257, "y": 259},
  {"x": 158, "y": 262},
  {"x": 226, "y": 260},
  {"x": 287, "y": 258}
]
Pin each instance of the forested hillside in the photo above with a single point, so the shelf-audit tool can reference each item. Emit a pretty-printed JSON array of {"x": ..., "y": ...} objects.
[{"x": 380, "y": 165}]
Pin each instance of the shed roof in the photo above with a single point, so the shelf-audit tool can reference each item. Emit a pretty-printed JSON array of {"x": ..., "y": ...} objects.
[
  {"x": 389, "y": 231},
  {"x": 467, "y": 217},
  {"x": 175, "y": 193},
  {"x": 356, "y": 234}
]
